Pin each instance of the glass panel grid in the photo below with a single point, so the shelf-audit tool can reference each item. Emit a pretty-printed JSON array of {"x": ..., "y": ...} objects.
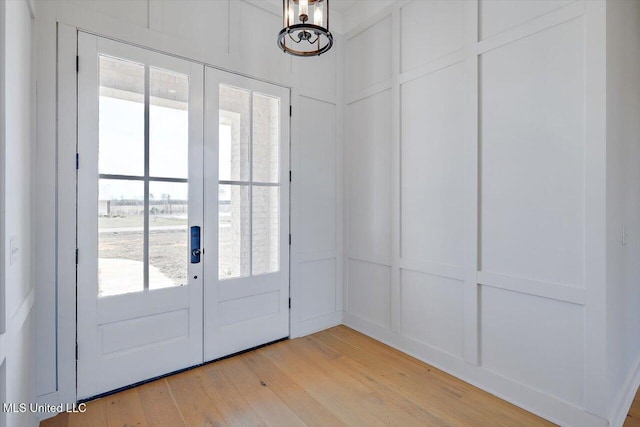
[
  {"x": 168, "y": 124},
  {"x": 120, "y": 237},
  {"x": 147, "y": 231},
  {"x": 121, "y": 117},
  {"x": 258, "y": 234}
]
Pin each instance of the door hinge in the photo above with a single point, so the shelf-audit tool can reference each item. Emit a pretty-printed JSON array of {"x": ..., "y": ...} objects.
[
  {"x": 289, "y": 239},
  {"x": 76, "y": 351},
  {"x": 289, "y": 176},
  {"x": 289, "y": 307},
  {"x": 76, "y": 256},
  {"x": 290, "y": 110},
  {"x": 77, "y": 63},
  {"x": 77, "y": 161}
]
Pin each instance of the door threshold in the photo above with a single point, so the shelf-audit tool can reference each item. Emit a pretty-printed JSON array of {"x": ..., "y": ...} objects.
[{"x": 127, "y": 387}]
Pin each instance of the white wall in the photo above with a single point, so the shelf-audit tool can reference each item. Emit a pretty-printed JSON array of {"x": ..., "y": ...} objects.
[
  {"x": 623, "y": 204},
  {"x": 17, "y": 342},
  {"x": 236, "y": 35},
  {"x": 472, "y": 145}
]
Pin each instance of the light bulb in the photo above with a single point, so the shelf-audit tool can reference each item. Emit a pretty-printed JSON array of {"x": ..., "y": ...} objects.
[
  {"x": 303, "y": 10},
  {"x": 317, "y": 15}
]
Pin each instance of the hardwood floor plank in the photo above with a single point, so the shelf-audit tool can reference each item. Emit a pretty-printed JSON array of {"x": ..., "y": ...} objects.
[
  {"x": 189, "y": 390},
  {"x": 350, "y": 400},
  {"x": 396, "y": 406},
  {"x": 61, "y": 420},
  {"x": 341, "y": 402},
  {"x": 309, "y": 410},
  {"x": 159, "y": 405},
  {"x": 95, "y": 416},
  {"x": 124, "y": 409},
  {"x": 263, "y": 400},
  {"x": 233, "y": 406}
]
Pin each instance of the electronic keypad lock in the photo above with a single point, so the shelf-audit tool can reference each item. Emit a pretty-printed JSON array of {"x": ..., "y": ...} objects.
[{"x": 195, "y": 244}]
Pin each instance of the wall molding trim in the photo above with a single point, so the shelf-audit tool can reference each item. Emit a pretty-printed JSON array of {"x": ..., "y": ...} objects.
[
  {"x": 537, "y": 288},
  {"x": 22, "y": 313}
]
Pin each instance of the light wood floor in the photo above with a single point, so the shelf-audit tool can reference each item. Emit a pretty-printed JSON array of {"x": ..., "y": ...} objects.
[
  {"x": 633, "y": 418},
  {"x": 336, "y": 377}
]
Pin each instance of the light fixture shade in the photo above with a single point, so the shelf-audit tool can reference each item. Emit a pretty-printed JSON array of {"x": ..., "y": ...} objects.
[{"x": 300, "y": 37}]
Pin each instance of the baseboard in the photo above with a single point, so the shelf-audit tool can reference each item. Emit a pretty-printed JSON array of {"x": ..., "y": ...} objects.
[
  {"x": 532, "y": 400},
  {"x": 315, "y": 324},
  {"x": 624, "y": 398},
  {"x": 52, "y": 399}
]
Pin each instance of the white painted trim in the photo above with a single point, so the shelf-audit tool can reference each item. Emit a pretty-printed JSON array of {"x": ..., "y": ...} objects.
[
  {"x": 624, "y": 398},
  {"x": 538, "y": 288},
  {"x": 318, "y": 96},
  {"x": 544, "y": 22},
  {"x": 302, "y": 257},
  {"x": 66, "y": 142},
  {"x": 315, "y": 324},
  {"x": 433, "y": 268},
  {"x": 3, "y": 307},
  {"x": 3, "y": 345},
  {"x": 435, "y": 65},
  {"x": 395, "y": 207},
  {"x": 20, "y": 315},
  {"x": 532, "y": 400},
  {"x": 595, "y": 210},
  {"x": 16, "y": 321},
  {"x": 32, "y": 8},
  {"x": 370, "y": 260},
  {"x": 295, "y": 136},
  {"x": 340, "y": 169},
  {"x": 471, "y": 307},
  {"x": 370, "y": 91}
]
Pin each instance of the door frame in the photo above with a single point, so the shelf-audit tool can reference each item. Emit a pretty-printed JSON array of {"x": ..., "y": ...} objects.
[{"x": 66, "y": 201}]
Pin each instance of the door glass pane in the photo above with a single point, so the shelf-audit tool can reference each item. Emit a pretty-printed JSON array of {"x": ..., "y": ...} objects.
[
  {"x": 168, "y": 234},
  {"x": 168, "y": 124},
  {"x": 120, "y": 237},
  {"x": 266, "y": 227},
  {"x": 235, "y": 125},
  {"x": 233, "y": 231},
  {"x": 121, "y": 117},
  {"x": 266, "y": 133}
]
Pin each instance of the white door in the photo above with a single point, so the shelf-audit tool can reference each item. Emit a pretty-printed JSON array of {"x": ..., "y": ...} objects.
[
  {"x": 155, "y": 180},
  {"x": 246, "y": 222},
  {"x": 140, "y": 186}
]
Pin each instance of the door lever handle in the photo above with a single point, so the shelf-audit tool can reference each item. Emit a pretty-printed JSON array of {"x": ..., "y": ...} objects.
[{"x": 195, "y": 244}]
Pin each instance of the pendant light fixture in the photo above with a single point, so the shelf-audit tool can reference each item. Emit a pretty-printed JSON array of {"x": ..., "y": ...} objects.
[{"x": 299, "y": 37}]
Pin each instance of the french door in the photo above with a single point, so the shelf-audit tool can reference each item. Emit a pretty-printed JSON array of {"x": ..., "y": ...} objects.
[
  {"x": 182, "y": 214},
  {"x": 247, "y": 198}
]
